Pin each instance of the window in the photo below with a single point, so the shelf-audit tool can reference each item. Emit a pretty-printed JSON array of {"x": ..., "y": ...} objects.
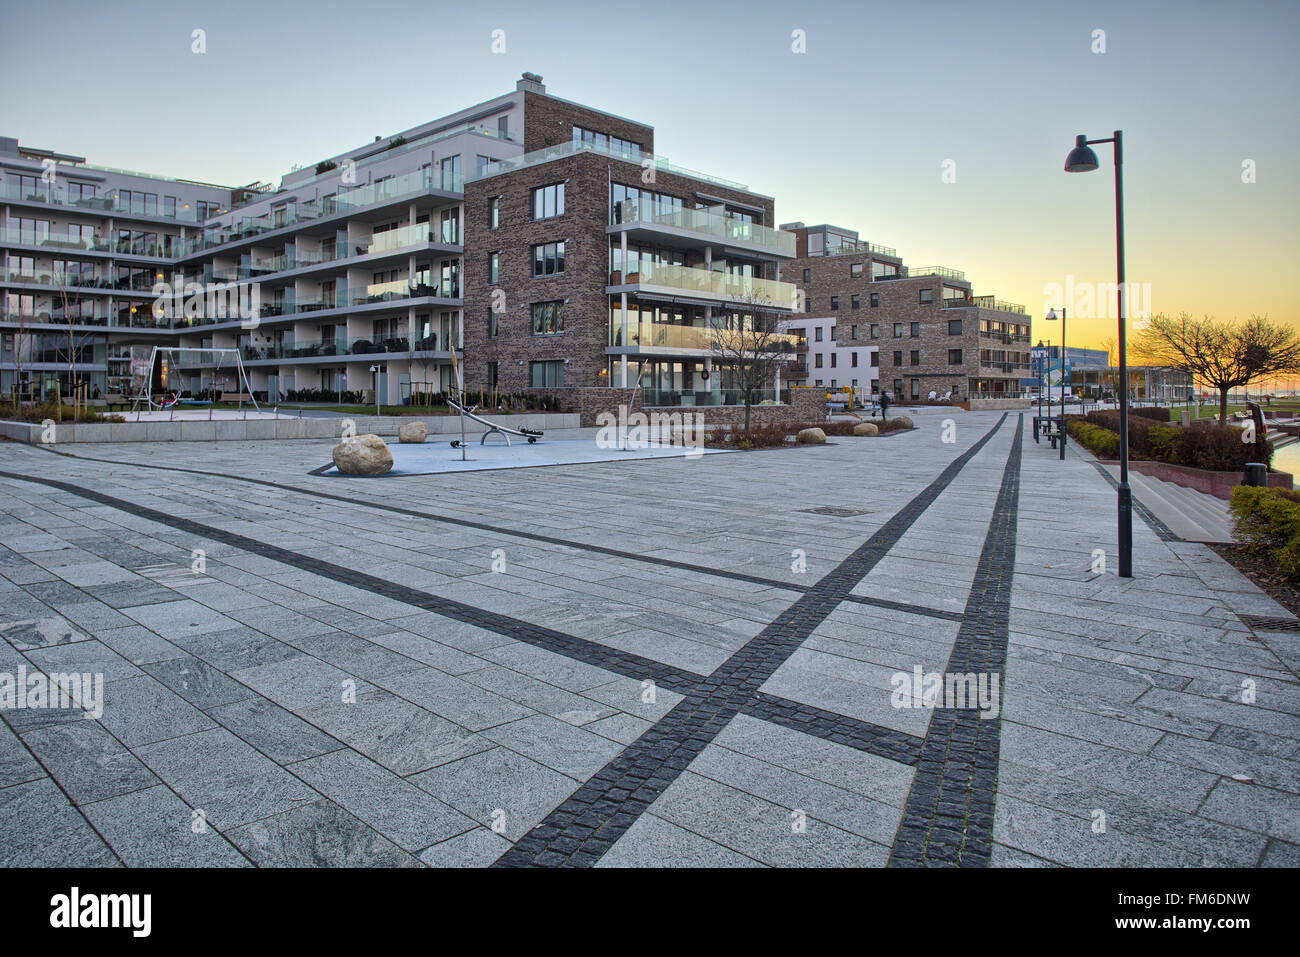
[
  {"x": 492, "y": 374},
  {"x": 494, "y": 267},
  {"x": 898, "y": 387},
  {"x": 954, "y": 357},
  {"x": 807, "y": 275},
  {"x": 898, "y": 330},
  {"x": 817, "y": 361},
  {"x": 817, "y": 382},
  {"x": 169, "y": 205},
  {"x": 875, "y": 300},
  {"x": 875, "y": 331},
  {"x": 548, "y": 201},
  {"x": 480, "y": 164},
  {"x": 817, "y": 334},
  {"x": 832, "y": 360},
  {"x": 916, "y": 357},
  {"x": 854, "y": 357},
  {"x": 954, "y": 327},
  {"x": 450, "y": 169},
  {"x": 856, "y": 301},
  {"x": 835, "y": 303},
  {"x": 603, "y": 141},
  {"x": 546, "y": 375},
  {"x": 548, "y": 318},
  {"x": 916, "y": 388},
  {"x": 855, "y": 271},
  {"x": 494, "y": 323},
  {"x": 898, "y": 357},
  {"x": 927, "y": 295},
  {"x": 916, "y": 330},
  {"x": 548, "y": 259},
  {"x": 875, "y": 360},
  {"x": 449, "y": 226},
  {"x": 494, "y": 212}
]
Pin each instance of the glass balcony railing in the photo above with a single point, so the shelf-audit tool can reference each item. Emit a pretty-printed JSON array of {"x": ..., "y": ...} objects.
[
  {"x": 106, "y": 204},
  {"x": 664, "y": 335},
  {"x": 400, "y": 238},
  {"x": 849, "y": 247},
  {"x": 711, "y": 283},
  {"x": 295, "y": 213},
  {"x": 914, "y": 272},
  {"x": 326, "y": 348},
  {"x": 404, "y": 289},
  {"x": 639, "y": 157},
  {"x": 706, "y": 223}
]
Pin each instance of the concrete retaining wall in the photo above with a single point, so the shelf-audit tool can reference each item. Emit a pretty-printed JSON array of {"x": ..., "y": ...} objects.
[
  {"x": 243, "y": 430},
  {"x": 995, "y": 405}
]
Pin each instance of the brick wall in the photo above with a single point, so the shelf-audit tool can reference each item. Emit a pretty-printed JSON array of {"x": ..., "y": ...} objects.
[{"x": 549, "y": 122}]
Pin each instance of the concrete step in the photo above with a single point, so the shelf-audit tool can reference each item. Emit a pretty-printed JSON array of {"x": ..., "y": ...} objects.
[{"x": 1192, "y": 515}]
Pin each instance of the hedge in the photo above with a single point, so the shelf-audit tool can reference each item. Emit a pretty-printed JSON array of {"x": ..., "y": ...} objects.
[
  {"x": 1101, "y": 442},
  {"x": 1158, "y": 413},
  {"x": 1268, "y": 521},
  {"x": 1203, "y": 445}
]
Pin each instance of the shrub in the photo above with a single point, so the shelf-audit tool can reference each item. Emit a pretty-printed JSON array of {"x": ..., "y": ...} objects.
[
  {"x": 1102, "y": 442},
  {"x": 1268, "y": 521},
  {"x": 1158, "y": 413},
  {"x": 48, "y": 410},
  {"x": 1203, "y": 445}
]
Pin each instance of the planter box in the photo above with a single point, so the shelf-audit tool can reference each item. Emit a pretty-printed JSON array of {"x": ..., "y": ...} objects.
[{"x": 1218, "y": 484}]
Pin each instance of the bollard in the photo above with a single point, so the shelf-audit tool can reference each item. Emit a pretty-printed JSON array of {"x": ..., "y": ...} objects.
[{"x": 1256, "y": 474}]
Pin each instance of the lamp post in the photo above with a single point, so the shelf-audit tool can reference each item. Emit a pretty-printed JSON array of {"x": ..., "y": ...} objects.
[
  {"x": 1082, "y": 159},
  {"x": 1051, "y": 317}
]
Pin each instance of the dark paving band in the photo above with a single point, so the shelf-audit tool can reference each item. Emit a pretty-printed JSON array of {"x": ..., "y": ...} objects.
[
  {"x": 948, "y": 818},
  {"x": 855, "y": 733},
  {"x": 584, "y": 827}
]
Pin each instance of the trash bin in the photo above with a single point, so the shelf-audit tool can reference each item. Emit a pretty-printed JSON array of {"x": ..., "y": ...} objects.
[{"x": 1256, "y": 474}]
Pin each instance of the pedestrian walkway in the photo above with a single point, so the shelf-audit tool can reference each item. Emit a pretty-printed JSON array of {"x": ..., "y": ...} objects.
[{"x": 717, "y": 660}]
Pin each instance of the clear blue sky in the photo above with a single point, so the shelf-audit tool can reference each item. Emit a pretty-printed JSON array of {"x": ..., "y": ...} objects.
[{"x": 854, "y": 131}]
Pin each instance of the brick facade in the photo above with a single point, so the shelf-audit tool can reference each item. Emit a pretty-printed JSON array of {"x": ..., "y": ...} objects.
[
  {"x": 900, "y": 302},
  {"x": 549, "y": 121}
]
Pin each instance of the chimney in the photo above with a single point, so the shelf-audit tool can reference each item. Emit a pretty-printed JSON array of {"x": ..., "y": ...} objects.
[{"x": 530, "y": 82}]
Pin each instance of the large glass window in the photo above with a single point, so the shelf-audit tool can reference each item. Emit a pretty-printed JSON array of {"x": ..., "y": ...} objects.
[
  {"x": 494, "y": 267},
  {"x": 450, "y": 170}
]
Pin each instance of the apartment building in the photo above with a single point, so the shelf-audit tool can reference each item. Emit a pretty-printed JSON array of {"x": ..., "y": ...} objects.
[
  {"x": 83, "y": 246},
  {"x": 824, "y": 362},
  {"x": 595, "y": 262},
  {"x": 932, "y": 333}
]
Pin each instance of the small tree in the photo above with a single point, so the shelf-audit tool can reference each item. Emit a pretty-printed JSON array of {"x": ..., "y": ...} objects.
[
  {"x": 1222, "y": 355},
  {"x": 751, "y": 346}
]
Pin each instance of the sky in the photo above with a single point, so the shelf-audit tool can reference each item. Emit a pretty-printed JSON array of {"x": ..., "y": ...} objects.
[{"x": 937, "y": 128}]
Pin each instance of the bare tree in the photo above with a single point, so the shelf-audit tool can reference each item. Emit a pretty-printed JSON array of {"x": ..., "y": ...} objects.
[
  {"x": 751, "y": 348},
  {"x": 1111, "y": 345},
  {"x": 1222, "y": 355}
]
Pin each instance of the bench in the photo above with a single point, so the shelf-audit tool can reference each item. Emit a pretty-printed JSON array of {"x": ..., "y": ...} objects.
[
  {"x": 113, "y": 399},
  {"x": 236, "y": 397}
]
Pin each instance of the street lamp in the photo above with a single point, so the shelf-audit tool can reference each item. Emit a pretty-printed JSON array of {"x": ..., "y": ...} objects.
[
  {"x": 1051, "y": 317},
  {"x": 1083, "y": 160}
]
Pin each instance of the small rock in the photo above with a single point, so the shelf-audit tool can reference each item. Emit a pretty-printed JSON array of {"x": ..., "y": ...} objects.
[
  {"x": 362, "y": 455},
  {"x": 866, "y": 428},
  {"x": 412, "y": 433},
  {"x": 811, "y": 437}
]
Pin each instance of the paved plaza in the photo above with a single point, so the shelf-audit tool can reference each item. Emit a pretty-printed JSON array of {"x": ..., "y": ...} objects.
[{"x": 655, "y": 662}]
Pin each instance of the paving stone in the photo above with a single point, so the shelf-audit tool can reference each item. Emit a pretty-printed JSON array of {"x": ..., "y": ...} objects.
[{"x": 155, "y": 828}]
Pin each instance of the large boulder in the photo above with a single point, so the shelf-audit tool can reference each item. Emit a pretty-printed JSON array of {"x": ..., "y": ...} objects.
[
  {"x": 362, "y": 455},
  {"x": 811, "y": 437},
  {"x": 412, "y": 433},
  {"x": 866, "y": 428},
  {"x": 906, "y": 423}
]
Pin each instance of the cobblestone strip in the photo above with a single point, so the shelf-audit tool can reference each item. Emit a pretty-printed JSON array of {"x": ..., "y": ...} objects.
[
  {"x": 948, "y": 818},
  {"x": 583, "y": 828},
  {"x": 872, "y": 738}
]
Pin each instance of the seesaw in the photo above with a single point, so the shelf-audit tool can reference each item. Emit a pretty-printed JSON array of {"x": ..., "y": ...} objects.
[{"x": 530, "y": 434}]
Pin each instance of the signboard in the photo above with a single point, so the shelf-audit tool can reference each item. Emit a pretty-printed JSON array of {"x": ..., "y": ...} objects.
[{"x": 1056, "y": 373}]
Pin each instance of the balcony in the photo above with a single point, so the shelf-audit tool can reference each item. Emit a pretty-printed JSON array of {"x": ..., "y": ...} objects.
[
  {"x": 984, "y": 302},
  {"x": 105, "y": 205},
  {"x": 944, "y": 272},
  {"x": 848, "y": 247},
  {"x": 639, "y": 157},
  {"x": 293, "y": 214},
  {"x": 707, "y": 225},
  {"x": 663, "y": 335},
  {"x": 404, "y": 289},
  {"x": 709, "y": 285},
  {"x": 337, "y": 348}
]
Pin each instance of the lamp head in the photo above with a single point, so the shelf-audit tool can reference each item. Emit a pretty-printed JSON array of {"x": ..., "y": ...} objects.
[
  {"x": 1081, "y": 159},
  {"x": 1051, "y": 315}
]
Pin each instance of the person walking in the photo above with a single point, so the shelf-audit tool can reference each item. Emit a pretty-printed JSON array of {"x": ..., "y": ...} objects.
[{"x": 884, "y": 406}]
